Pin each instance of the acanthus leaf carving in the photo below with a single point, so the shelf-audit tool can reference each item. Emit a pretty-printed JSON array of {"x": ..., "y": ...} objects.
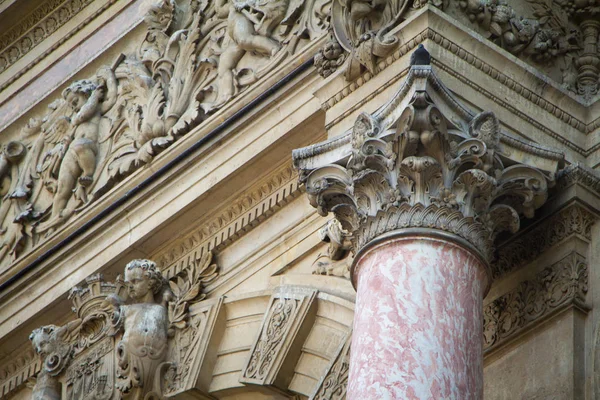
[
  {"x": 194, "y": 58},
  {"x": 413, "y": 166},
  {"x": 361, "y": 34}
]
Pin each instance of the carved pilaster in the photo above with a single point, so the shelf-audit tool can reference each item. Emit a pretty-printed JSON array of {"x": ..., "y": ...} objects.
[
  {"x": 424, "y": 161},
  {"x": 285, "y": 326},
  {"x": 575, "y": 220}
]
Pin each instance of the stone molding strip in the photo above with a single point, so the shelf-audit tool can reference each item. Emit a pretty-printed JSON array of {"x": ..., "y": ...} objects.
[
  {"x": 260, "y": 202},
  {"x": 553, "y": 289},
  {"x": 21, "y": 367},
  {"x": 14, "y": 53},
  {"x": 31, "y": 21},
  {"x": 579, "y": 174},
  {"x": 478, "y": 63}
]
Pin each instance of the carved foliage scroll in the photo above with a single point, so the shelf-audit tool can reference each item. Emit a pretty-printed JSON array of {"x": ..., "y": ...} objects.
[
  {"x": 562, "y": 284},
  {"x": 335, "y": 382},
  {"x": 361, "y": 34},
  {"x": 281, "y": 328},
  {"x": 571, "y": 221},
  {"x": 554, "y": 32}
]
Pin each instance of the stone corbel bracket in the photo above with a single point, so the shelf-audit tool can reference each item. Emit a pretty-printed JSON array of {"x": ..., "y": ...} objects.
[
  {"x": 423, "y": 160},
  {"x": 286, "y": 325}
]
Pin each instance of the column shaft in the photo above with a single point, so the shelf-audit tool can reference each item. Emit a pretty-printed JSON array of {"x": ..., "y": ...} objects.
[{"x": 418, "y": 321}]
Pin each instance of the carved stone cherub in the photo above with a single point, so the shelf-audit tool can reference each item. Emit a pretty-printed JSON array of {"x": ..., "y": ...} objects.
[
  {"x": 250, "y": 25},
  {"x": 142, "y": 352},
  {"x": 89, "y": 101}
]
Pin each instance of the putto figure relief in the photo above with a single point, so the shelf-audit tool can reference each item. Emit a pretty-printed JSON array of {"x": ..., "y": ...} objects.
[
  {"x": 250, "y": 26},
  {"x": 195, "y": 57},
  {"x": 132, "y": 339},
  {"x": 141, "y": 353},
  {"x": 89, "y": 102}
]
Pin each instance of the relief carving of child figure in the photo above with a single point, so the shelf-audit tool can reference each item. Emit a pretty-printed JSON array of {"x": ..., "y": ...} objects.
[
  {"x": 142, "y": 352},
  {"x": 89, "y": 101}
]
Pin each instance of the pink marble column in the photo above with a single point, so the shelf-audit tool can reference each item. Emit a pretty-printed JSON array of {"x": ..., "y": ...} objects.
[{"x": 418, "y": 321}]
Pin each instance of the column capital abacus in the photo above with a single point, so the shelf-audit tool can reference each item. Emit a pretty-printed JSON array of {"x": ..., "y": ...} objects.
[{"x": 423, "y": 160}]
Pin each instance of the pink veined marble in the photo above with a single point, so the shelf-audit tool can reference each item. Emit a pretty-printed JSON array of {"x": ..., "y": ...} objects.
[{"x": 418, "y": 322}]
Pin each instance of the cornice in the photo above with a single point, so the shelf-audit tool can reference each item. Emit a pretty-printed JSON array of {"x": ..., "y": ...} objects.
[
  {"x": 459, "y": 51},
  {"x": 17, "y": 369},
  {"x": 33, "y": 20},
  {"x": 33, "y": 36},
  {"x": 553, "y": 289},
  {"x": 229, "y": 224}
]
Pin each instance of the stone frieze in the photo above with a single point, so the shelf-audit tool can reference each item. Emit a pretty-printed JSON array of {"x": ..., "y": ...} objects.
[{"x": 194, "y": 58}]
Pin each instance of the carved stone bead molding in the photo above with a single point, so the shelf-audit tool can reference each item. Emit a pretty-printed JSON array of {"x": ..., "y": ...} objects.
[
  {"x": 142, "y": 337},
  {"x": 246, "y": 212},
  {"x": 556, "y": 30},
  {"x": 423, "y": 160},
  {"x": 574, "y": 220},
  {"x": 334, "y": 383},
  {"x": 38, "y": 26},
  {"x": 558, "y": 286},
  {"x": 360, "y": 34},
  {"x": 290, "y": 315},
  {"x": 194, "y": 58}
]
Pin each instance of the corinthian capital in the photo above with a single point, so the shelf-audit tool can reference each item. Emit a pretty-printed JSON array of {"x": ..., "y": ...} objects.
[{"x": 425, "y": 161}]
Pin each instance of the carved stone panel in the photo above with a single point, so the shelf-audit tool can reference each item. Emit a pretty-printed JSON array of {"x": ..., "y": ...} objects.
[
  {"x": 560, "y": 285},
  {"x": 91, "y": 375},
  {"x": 334, "y": 383},
  {"x": 144, "y": 337},
  {"x": 288, "y": 319},
  {"x": 193, "y": 349}
]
